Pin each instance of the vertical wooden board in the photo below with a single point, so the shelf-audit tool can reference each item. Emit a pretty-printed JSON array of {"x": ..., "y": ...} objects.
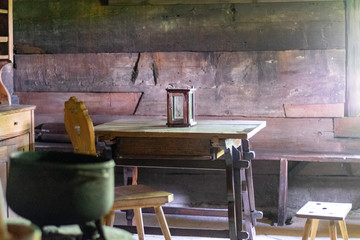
[{"x": 353, "y": 57}]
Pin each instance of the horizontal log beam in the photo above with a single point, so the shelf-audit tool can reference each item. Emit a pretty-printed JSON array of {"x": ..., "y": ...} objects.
[
  {"x": 347, "y": 127},
  {"x": 116, "y": 103},
  {"x": 171, "y": 2},
  {"x": 314, "y": 110}
]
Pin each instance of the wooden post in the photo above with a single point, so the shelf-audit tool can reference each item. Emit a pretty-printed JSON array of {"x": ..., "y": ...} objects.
[
  {"x": 353, "y": 58},
  {"x": 10, "y": 30}
]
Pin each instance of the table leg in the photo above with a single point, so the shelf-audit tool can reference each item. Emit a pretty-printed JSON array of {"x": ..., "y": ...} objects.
[
  {"x": 234, "y": 193},
  {"x": 250, "y": 213},
  {"x": 230, "y": 194}
]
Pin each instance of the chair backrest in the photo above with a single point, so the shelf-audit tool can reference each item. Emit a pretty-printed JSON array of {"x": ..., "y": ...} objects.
[{"x": 79, "y": 126}]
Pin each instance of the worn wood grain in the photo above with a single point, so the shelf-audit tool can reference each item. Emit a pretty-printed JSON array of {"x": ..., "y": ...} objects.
[
  {"x": 314, "y": 110},
  {"x": 228, "y": 83},
  {"x": 299, "y": 135},
  {"x": 348, "y": 127},
  {"x": 155, "y": 147},
  {"x": 123, "y": 103},
  {"x": 212, "y": 27},
  {"x": 169, "y": 2},
  {"x": 353, "y": 57}
]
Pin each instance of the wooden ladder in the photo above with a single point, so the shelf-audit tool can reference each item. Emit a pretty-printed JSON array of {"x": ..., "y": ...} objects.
[
  {"x": 5, "y": 58},
  {"x": 9, "y": 38}
]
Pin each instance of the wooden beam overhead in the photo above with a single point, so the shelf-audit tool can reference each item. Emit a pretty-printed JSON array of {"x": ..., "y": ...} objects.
[{"x": 174, "y": 2}]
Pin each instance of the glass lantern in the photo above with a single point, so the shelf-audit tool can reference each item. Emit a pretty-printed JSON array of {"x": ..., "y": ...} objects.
[{"x": 180, "y": 107}]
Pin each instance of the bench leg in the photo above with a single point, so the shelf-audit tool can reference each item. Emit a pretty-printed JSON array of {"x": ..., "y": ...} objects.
[
  {"x": 332, "y": 230},
  {"x": 343, "y": 230},
  {"x": 314, "y": 228},
  {"x": 283, "y": 188},
  {"x": 307, "y": 229}
]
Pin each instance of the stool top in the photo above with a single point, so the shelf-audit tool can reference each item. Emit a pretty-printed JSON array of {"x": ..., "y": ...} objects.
[{"x": 324, "y": 210}]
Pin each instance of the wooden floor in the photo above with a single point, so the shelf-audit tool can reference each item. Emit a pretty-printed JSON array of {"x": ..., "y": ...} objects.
[{"x": 264, "y": 229}]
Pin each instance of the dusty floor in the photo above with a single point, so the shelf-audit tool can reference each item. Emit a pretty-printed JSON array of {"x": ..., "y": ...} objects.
[{"x": 264, "y": 230}]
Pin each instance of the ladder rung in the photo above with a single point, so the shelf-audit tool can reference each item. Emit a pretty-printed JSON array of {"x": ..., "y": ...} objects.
[
  {"x": 4, "y": 57},
  {"x": 4, "y": 39},
  {"x": 4, "y": 11}
]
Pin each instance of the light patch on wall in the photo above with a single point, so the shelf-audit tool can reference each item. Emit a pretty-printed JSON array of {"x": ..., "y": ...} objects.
[{"x": 169, "y": 26}]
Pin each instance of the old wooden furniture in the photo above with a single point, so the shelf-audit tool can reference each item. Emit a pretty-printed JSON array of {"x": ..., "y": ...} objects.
[
  {"x": 211, "y": 144},
  {"x": 81, "y": 131},
  {"x": 16, "y": 134},
  {"x": 302, "y": 158},
  {"x": 332, "y": 211}
]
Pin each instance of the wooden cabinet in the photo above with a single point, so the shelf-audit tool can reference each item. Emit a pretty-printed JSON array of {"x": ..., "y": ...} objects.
[{"x": 16, "y": 134}]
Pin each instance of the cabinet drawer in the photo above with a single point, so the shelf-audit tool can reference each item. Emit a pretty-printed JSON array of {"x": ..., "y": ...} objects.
[{"x": 14, "y": 123}]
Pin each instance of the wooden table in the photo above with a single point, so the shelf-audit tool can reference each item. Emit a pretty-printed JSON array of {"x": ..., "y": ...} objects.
[{"x": 211, "y": 144}]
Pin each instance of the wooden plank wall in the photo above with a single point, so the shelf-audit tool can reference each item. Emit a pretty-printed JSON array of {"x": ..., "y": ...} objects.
[
  {"x": 277, "y": 59},
  {"x": 239, "y": 83},
  {"x": 283, "y": 61}
]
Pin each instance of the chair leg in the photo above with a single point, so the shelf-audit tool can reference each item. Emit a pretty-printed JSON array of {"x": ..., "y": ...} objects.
[
  {"x": 139, "y": 223},
  {"x": 307, "y": 229},
  {"x": 109, "y": 219},
  {"x": 332, "y": 230},
  {"x": 314, "y": 228},
  {"x": 343, "y": 230},
  {"x": 162, "y": 221}
]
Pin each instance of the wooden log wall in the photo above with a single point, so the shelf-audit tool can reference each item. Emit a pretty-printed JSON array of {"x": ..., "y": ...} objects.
[
  {"x": 273, "y": 59},
  {"x": 283, "y": 61}
]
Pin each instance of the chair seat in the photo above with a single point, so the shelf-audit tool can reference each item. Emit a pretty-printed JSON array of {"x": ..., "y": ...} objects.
[
  {"x": 324, "y": 210},
  {"x": 135, "y": 196}
]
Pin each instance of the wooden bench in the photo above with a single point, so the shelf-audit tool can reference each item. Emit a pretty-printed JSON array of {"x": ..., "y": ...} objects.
[{"x": 302, "y": 158}]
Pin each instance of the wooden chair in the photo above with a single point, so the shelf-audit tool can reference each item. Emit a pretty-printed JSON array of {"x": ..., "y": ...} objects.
[
  {"x": 80, "y": 128},
  {"x": 331, "y": 211}
]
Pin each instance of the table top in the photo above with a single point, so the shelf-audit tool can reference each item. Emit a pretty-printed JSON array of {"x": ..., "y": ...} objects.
[{"x": 151, "y": 127}]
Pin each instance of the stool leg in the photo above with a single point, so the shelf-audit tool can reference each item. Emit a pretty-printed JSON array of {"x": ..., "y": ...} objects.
[
  {"x": 139, "y": 223},
  {"x": 332, "y": 230},
  {"x": 307, "y": 229},
  {"x": 314, "y": 228},
  {"x": 343, "y": 229},
  {"x": 162, "y": 221}
]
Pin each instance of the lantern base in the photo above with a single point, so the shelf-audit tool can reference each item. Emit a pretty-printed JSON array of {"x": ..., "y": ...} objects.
[{"x": 181, "y": 124}]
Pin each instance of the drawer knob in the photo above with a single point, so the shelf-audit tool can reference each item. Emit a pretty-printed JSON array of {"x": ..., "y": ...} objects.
[{"x": 16, "y": 123}]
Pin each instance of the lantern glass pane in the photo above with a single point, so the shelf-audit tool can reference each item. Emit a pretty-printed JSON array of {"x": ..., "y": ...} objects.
[{"x": 178, "y": 108}]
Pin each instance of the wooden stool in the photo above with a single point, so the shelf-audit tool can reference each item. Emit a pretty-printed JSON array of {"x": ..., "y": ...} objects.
[{"x": 314, "y": 211}]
